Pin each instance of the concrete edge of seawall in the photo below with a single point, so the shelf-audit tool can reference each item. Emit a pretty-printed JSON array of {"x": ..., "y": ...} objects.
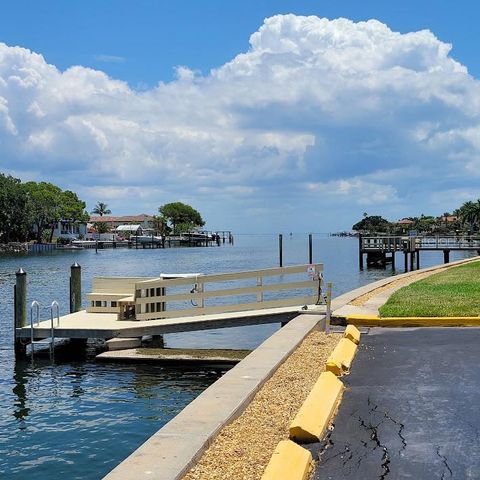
[
  {"x": 348, "y": 297},
  {"x": 173, "y": 449}
]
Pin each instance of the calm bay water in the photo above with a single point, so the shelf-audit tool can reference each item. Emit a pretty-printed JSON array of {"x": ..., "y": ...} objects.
[{"x": 77, "y": 419}]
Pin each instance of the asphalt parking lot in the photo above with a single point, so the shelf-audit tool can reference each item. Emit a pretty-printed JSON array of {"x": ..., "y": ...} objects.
[{"x": 411, "y": 409}]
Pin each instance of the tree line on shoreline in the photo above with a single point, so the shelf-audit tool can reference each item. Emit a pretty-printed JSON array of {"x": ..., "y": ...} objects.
[
  {"x": 31, "y": 210},
  {"x": 463, "y": 220}
]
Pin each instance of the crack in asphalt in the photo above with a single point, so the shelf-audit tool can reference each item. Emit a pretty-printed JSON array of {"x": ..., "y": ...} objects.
[
  {"x": 348, "y": 452},
  {"x": 399, "y": 433},
  {"x": 326, "y": 444},
  {"x": 445, "y": 463},
  {"x": 375, "y": 438}
]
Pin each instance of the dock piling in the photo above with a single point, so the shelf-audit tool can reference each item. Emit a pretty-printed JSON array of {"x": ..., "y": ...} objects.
[
  {"x": 280, "y": 250},
  {"x": 310, "y": 249},
  {"x": 75, "y": 288},
  {"x": 360, "y": 252},
  {"x": 20, "y": 308},
  {"x": 446, "y": 256}
]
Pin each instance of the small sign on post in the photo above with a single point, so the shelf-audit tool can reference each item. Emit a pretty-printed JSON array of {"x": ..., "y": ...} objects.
[{"x": 311, "y": 271}]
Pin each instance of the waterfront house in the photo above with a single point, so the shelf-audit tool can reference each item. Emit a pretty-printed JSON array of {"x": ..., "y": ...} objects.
[{"x": 143, "y": 220}]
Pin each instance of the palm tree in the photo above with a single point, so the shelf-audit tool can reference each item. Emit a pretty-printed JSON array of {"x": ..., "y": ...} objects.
[{"x": 101, "y": 209}]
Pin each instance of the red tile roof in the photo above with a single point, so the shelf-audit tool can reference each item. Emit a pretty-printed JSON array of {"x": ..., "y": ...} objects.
[{"x": 126, "y": 218}]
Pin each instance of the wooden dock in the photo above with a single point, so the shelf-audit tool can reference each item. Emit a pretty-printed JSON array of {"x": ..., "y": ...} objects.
[
  {"x": 123, "y": 307},
  {"x": 381, "y": 249},
  {"x": 106, "y": 325}
]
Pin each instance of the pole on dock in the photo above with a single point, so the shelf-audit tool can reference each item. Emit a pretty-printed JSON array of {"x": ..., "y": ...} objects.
[
  {"x": 280, "y": 249},
  {"x": 412, "y": 260},
  {"x": 418, "y": 259},
  {"x": 329, "y": 308},
  {"x": 393, "y": 259},
  {"x": 75, "y": 288},
  {"x": 20, "y": 308},
  {"x": 360, "y": 252},
  {"x": 405, "y": 253},
  {"x": 310, "y": 249}
]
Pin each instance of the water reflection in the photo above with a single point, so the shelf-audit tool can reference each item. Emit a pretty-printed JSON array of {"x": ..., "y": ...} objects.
[
  {"x": 21, "y": 410},
  {"x": 66, "y": 415}
]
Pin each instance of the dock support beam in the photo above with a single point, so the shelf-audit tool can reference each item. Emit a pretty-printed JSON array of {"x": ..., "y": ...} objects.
[
  {"x": 393, "y": 260},
  {"x": 412, "y": 260},
  {"x": 20, "y": 309},
  {"x": 418, "y": 259},
  {"x": 405, "y": 253},
  {"x": 446, "y": 256},
  {"x": 75, "y": 288}
]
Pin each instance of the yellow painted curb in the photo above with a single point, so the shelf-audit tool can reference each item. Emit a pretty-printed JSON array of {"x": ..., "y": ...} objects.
[
  {"x": 352, "y": 333},
  {"x": 289, "y": 462},
  {"x": 376, "y": 321},
  {"x": 341, "y": 358},
  {"x": 313, "y": 418}
]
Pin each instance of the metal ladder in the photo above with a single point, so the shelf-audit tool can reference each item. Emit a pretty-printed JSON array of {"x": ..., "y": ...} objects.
[{"x": 35, "y": 307}]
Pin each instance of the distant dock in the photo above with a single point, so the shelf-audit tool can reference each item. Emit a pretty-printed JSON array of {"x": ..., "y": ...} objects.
[
  {"x": 381, "y": 249},
  {"x": 192, "y": 239}
]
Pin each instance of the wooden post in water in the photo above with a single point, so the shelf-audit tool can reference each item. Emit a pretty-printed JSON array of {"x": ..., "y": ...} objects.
[
  {"x": 360, "y": 252},
  {"x": 446, "y": 256},
  {"x": 75, "y": 288},
  {"x": 412, "y": 260},
  {"x": 393, "y": 259},
  {"x": 418, "y": 259},
  {"x": 310, "y": 249},
  {"x": 20, "y": 309},
  {"x": 405, "y": 253},
  {"x": 280, "y": 249}
]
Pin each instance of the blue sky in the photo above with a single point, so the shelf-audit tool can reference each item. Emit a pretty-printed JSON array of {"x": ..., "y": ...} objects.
[
  {"x": 154, "y": 36},
  {"x": 301, "y": 125}
]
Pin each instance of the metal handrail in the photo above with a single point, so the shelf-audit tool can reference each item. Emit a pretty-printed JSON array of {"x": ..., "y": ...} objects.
[
  {"x": 54, "y": 305},
  {"x": 33, "y": 305},
  {"x": 54, "y": 310}
]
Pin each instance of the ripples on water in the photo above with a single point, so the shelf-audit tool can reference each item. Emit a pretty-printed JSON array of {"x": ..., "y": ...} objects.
[{"x": 77, "y": 419}]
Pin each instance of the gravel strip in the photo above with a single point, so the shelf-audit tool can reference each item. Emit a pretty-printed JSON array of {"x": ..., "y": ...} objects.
[{"x": 243, "y": 448}]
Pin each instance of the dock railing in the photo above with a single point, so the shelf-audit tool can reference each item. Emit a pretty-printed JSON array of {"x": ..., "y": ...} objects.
[
  {"x": 422, "y": 242},
  {"x": 152, "y": 298}
]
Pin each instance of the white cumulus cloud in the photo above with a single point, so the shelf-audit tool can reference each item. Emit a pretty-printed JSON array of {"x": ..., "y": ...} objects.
[{"x": 317, "y": 114}]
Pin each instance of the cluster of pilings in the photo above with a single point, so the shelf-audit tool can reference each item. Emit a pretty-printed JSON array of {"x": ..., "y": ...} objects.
[{"x": 20, "y": 302}]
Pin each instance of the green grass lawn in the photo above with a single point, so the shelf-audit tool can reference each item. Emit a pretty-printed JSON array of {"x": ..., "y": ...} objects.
[{"x": 454, "y": 292}]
